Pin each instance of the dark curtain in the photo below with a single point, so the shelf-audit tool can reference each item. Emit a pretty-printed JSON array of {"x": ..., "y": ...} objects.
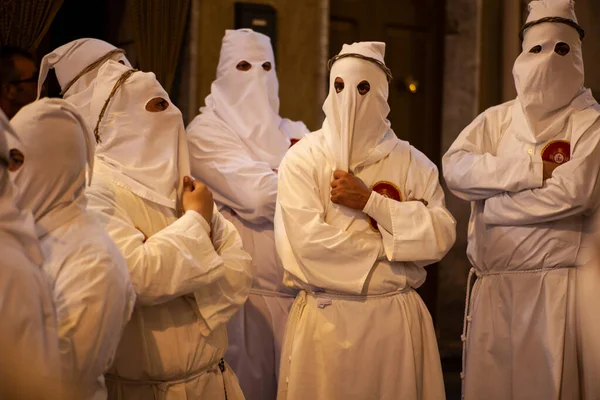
[
  {"x": 159, "y": 27},
  {"x": 23, "y": 23}
]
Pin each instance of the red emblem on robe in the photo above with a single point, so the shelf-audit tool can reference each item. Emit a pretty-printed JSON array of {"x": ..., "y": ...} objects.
[
  {"x": 293, "y": 141},
  {"x": 386, "y": 189},
  {"x": 557, "y": 151}
]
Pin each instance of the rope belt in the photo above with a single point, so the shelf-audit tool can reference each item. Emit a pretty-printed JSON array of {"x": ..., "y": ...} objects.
[
  {"x": 271, "y": 293},
  {"x": 165, "y": 384}
]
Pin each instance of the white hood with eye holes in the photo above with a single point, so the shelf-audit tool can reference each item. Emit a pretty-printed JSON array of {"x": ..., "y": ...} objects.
[
  {"x": 247, "y": 102},
  {"x": 57, "y": 146},
  {"x": 16, "y": 226},
  {"x": 145, "y": 151},
  {"x": 547, "y": 82},
  {"x": 356, "y": 127}
]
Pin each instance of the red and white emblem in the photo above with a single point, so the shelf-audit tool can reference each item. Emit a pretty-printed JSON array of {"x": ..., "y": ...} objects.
[{"x": 557, "y": 151}]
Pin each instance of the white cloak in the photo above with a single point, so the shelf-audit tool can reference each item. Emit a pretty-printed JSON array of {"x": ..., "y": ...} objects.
[
  {"x": 524, "y": 240},
  {"x": 358, "y": 330}
]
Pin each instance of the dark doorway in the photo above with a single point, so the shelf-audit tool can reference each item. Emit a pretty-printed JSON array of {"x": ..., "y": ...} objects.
[{"x": 100, "y": 19}]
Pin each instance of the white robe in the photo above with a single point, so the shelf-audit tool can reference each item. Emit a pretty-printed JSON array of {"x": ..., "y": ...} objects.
[
  {"x": 187, "y": 286},
  {"x": 358, "y": 330},
  {"x": 93, "y": 294},
  {"x": 524, "y": 235},
  {"x": 245, "y": 190},
  {"x": 30, "y": 363}
]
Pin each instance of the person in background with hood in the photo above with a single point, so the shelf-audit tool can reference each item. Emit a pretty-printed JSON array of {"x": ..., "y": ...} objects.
[
  {"x": 236, "y": 146},
  {"x": 30, "y": 362},
  {"x": 359, "y": 214},
  {"x": 530, "y": 169},
  {"x": 185, "y": 259},
  {"x": 93, "y": 295},
  {"x": 76, "y": 65}
]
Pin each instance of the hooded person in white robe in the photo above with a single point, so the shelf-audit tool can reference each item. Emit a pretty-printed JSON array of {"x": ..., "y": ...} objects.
[
  {"x": 92, "y": 291},
  {"x": 30, "y": 363},
  {"x": 185, "y": 259},
  {"x": 236, "y": 146},
  {"x": 530, "y": 169},
  {"x": 359, "y": 215},
  {"x": 76, "y": 65}
]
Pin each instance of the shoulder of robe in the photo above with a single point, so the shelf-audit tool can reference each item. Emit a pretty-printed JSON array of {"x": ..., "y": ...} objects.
[
  {"x": 295, "y": 129},
  {"x": 100, "y": 184},
  {"x": 498, "y": 113},
  {"x": 205, "y": 129},
  {"x": 102, "y": 192},
  {"x": 307, "y": 151},
  {"x": 91, "y": 242}
]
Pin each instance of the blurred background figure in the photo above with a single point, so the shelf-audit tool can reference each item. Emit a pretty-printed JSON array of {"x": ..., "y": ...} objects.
[{"x": 18, "y": 79}]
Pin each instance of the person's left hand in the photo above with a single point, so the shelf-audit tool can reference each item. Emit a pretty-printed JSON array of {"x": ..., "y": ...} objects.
[{"x": 349, "y": 191}]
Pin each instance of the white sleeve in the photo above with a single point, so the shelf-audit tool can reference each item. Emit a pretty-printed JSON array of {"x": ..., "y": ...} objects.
[
  {"x": 92, "y": 312},
  {"x": 572, "y": 190},
  {"x": 178, "y": 260},
  {"x": 412, "y": 231},
  {"x": 219, "y": 300},
  {"x": 219, "y": 160},
  {"x": 472, "y": 170},
  {"x": 327, "y": 256}
]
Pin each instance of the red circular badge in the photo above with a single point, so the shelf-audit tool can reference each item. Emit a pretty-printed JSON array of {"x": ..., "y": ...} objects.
[{"x": 557, "y": 151}]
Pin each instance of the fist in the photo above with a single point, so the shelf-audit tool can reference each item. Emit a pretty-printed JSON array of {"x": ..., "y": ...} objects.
[
  {"x": 549, "y": 168},
  {"x": 349, "y": 191},
  {"x": 197, "y": 197}
]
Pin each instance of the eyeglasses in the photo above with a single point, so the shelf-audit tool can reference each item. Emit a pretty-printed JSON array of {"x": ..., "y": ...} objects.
[{"x": 33, "y": 78}]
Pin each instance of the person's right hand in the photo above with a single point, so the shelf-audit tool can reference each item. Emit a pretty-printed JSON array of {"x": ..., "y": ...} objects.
[
  {"x": 197, "y": 197},
  {"x": 549, "y": 167}
]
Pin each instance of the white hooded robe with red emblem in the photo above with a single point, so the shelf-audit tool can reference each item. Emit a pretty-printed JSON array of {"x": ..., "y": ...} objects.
[
  {"x": 525, "y": 233},
  {"x": 357, "y": 329}
]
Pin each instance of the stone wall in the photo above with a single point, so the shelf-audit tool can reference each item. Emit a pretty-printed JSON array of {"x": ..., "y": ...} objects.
[{"x": 461, "y": 71}]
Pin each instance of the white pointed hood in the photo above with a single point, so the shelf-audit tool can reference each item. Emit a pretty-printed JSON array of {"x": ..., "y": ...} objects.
[
  {"x": 17, "y": 225},
  {"x": 57, "y": 146},
  {"x": 549, "y": 73},
  {"x": 247, "y": 102},
  {"x": 69, "y": 62},
  {"x": 145, "y": 151},
  {"x": 356, "y": 127}
]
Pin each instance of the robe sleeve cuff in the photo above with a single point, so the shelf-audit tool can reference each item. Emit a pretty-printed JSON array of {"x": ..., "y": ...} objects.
[
  {"x": 194, "y": 215},
  {"x": 369, "y": 205},
  {"x": 536, "y": 175}
]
